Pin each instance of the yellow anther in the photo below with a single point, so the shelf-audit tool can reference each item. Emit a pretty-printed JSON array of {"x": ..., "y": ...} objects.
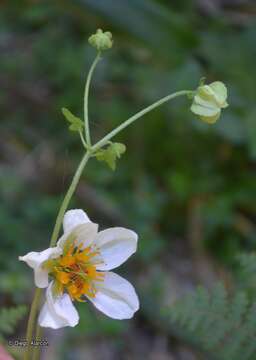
[
  {"x": 73, "y": 290},
  {"x": 76, "y": 272},
  {"x": 82, "y": 257},
  {"x": 67, "y": 260},
  {"x": 63, "y": 277}
]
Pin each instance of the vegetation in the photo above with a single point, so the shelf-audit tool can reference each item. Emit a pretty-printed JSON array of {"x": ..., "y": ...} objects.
[{"x": 187, "y": 188}]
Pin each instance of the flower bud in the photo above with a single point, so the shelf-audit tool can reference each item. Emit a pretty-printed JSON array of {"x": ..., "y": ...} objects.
[
  {"x": 101, "y": 40},
  {"x": 209, "y": 100}
]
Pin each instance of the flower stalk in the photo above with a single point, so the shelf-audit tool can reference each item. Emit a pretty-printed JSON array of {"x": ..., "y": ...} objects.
[
  {"x": 136, "y": 116},
  {"x": 86, "y": 96}
]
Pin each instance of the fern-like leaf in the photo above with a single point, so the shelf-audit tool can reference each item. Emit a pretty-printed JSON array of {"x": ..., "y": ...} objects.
[
  {"x": 9, "y": 318},
  {"x": 220, "y": 324}
]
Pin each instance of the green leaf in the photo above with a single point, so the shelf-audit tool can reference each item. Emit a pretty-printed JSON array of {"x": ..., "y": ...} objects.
[
  {"x": 118, "y": 148},
  {"x": 76, "y": 124},
  {"x": 9, "y": 317},
  {"x": 111, "y": 154}
]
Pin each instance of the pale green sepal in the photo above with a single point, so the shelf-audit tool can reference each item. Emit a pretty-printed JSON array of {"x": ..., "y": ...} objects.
[{"x": 76, "y": 124}]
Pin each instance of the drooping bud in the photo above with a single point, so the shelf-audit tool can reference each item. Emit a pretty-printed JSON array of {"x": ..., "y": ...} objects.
[
  {"x": 209, "y": 100},
  {"x": 101, "y": 40}
]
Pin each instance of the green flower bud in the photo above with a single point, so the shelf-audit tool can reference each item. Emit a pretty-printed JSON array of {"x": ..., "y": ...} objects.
[
  {"x": 101, "y": 40},
  {"x": 209, "y": 100}
]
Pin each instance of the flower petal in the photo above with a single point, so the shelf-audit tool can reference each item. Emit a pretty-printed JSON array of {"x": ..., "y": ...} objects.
[
  {"x": 198, "y": 100},
  {"x": 115, "y": 297},
  {"x": 220, "y": 92},
  {"x": 58, "y": 311},
  {"x": 116, "y": 245},
  {"x": 203, "y": 110},
  {"x": 74, "y": 217},
  {"x": 210, "y": 119},
  {"x": 83, "y": 233},
  {"x": 35, "y": 261}
]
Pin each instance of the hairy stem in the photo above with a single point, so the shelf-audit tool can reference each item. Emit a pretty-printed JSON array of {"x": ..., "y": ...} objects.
[
  {"x": 86, "y": 95},
  {"x": 136, "y": 116}
]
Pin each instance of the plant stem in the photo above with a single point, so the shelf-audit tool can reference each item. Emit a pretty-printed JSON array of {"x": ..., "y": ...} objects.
[
  {"x": 55, "y": 234},
  {"x": 37, "y": 349},
  {"x": 74, "y": 183},
  {"x": 31, "y": 320},
  {"x": 83, "y": 140},
  {"x": 67, "y": 199},
  {"x": 86, "y": 94},
  {"x": 136, "y": 116}
]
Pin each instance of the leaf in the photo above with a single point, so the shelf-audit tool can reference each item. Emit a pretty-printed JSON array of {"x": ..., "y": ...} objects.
[
  {"x": 9, "y": 317},
  {"x": 119, "y": 149},
  {"x": 76, "y": 124},
  {"x": 110, "y": 154}
]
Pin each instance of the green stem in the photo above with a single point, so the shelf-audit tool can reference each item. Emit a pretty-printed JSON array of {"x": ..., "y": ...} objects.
[
  {"x": 83, "y": 140},
  {"x": 74, "y": 183},
  {"x": 136, "y": 116},
  {"x": 86, "y": 95},
  {"x": 31, "y": 320},
  {"x": 37, "y": 349},
  {"x": 67, "y": 199},
  {"x": 54, "y": 238}
]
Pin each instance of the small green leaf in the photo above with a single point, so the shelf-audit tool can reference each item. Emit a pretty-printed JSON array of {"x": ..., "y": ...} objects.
[
  {"x": 76, "y": 124},
  {"x": 111, "y": 154},
  {"x": 119, "y": 149},
  {"x": 108, "y": 157}
]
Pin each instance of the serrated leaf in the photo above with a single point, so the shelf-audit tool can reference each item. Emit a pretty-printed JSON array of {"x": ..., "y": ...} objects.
[
  {"x": 118, "y": 148},
  {"x": 108, "y": 157},
  {"x": 76, "y": 124},
  {"x": 111, "y": 154}
]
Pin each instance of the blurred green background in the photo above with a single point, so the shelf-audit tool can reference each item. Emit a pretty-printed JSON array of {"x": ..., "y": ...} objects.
[{"x": 188, "y": 189}]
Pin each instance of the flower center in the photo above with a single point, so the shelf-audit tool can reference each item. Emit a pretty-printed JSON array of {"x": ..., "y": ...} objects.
[{"x": 75, "y": 271}]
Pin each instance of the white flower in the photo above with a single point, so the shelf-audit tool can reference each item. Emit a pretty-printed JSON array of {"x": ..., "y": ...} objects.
[{"x": 78, "y": 268}]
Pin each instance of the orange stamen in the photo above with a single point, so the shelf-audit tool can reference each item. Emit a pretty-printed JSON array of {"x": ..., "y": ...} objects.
[
  {"x": 75, "y": 271},
  {"x": 63, "y": 277}
]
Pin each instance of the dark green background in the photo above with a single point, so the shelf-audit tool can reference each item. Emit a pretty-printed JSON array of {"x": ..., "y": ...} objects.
[{"x": 188, "y": 189}]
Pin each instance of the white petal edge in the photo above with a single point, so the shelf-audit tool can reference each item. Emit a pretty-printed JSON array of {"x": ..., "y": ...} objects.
[
  {"x": 220, "y": 92},
  {"x": 35, "y": 261},
  {"x": 116, "y": 297},
  {"x": 203, "y": 110},
  {"x": 58, "y": 312},
  {"x": 115, "y": 245},
  {"x": 83, "y": 233},
  {"x": 74, "y": 217}
]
